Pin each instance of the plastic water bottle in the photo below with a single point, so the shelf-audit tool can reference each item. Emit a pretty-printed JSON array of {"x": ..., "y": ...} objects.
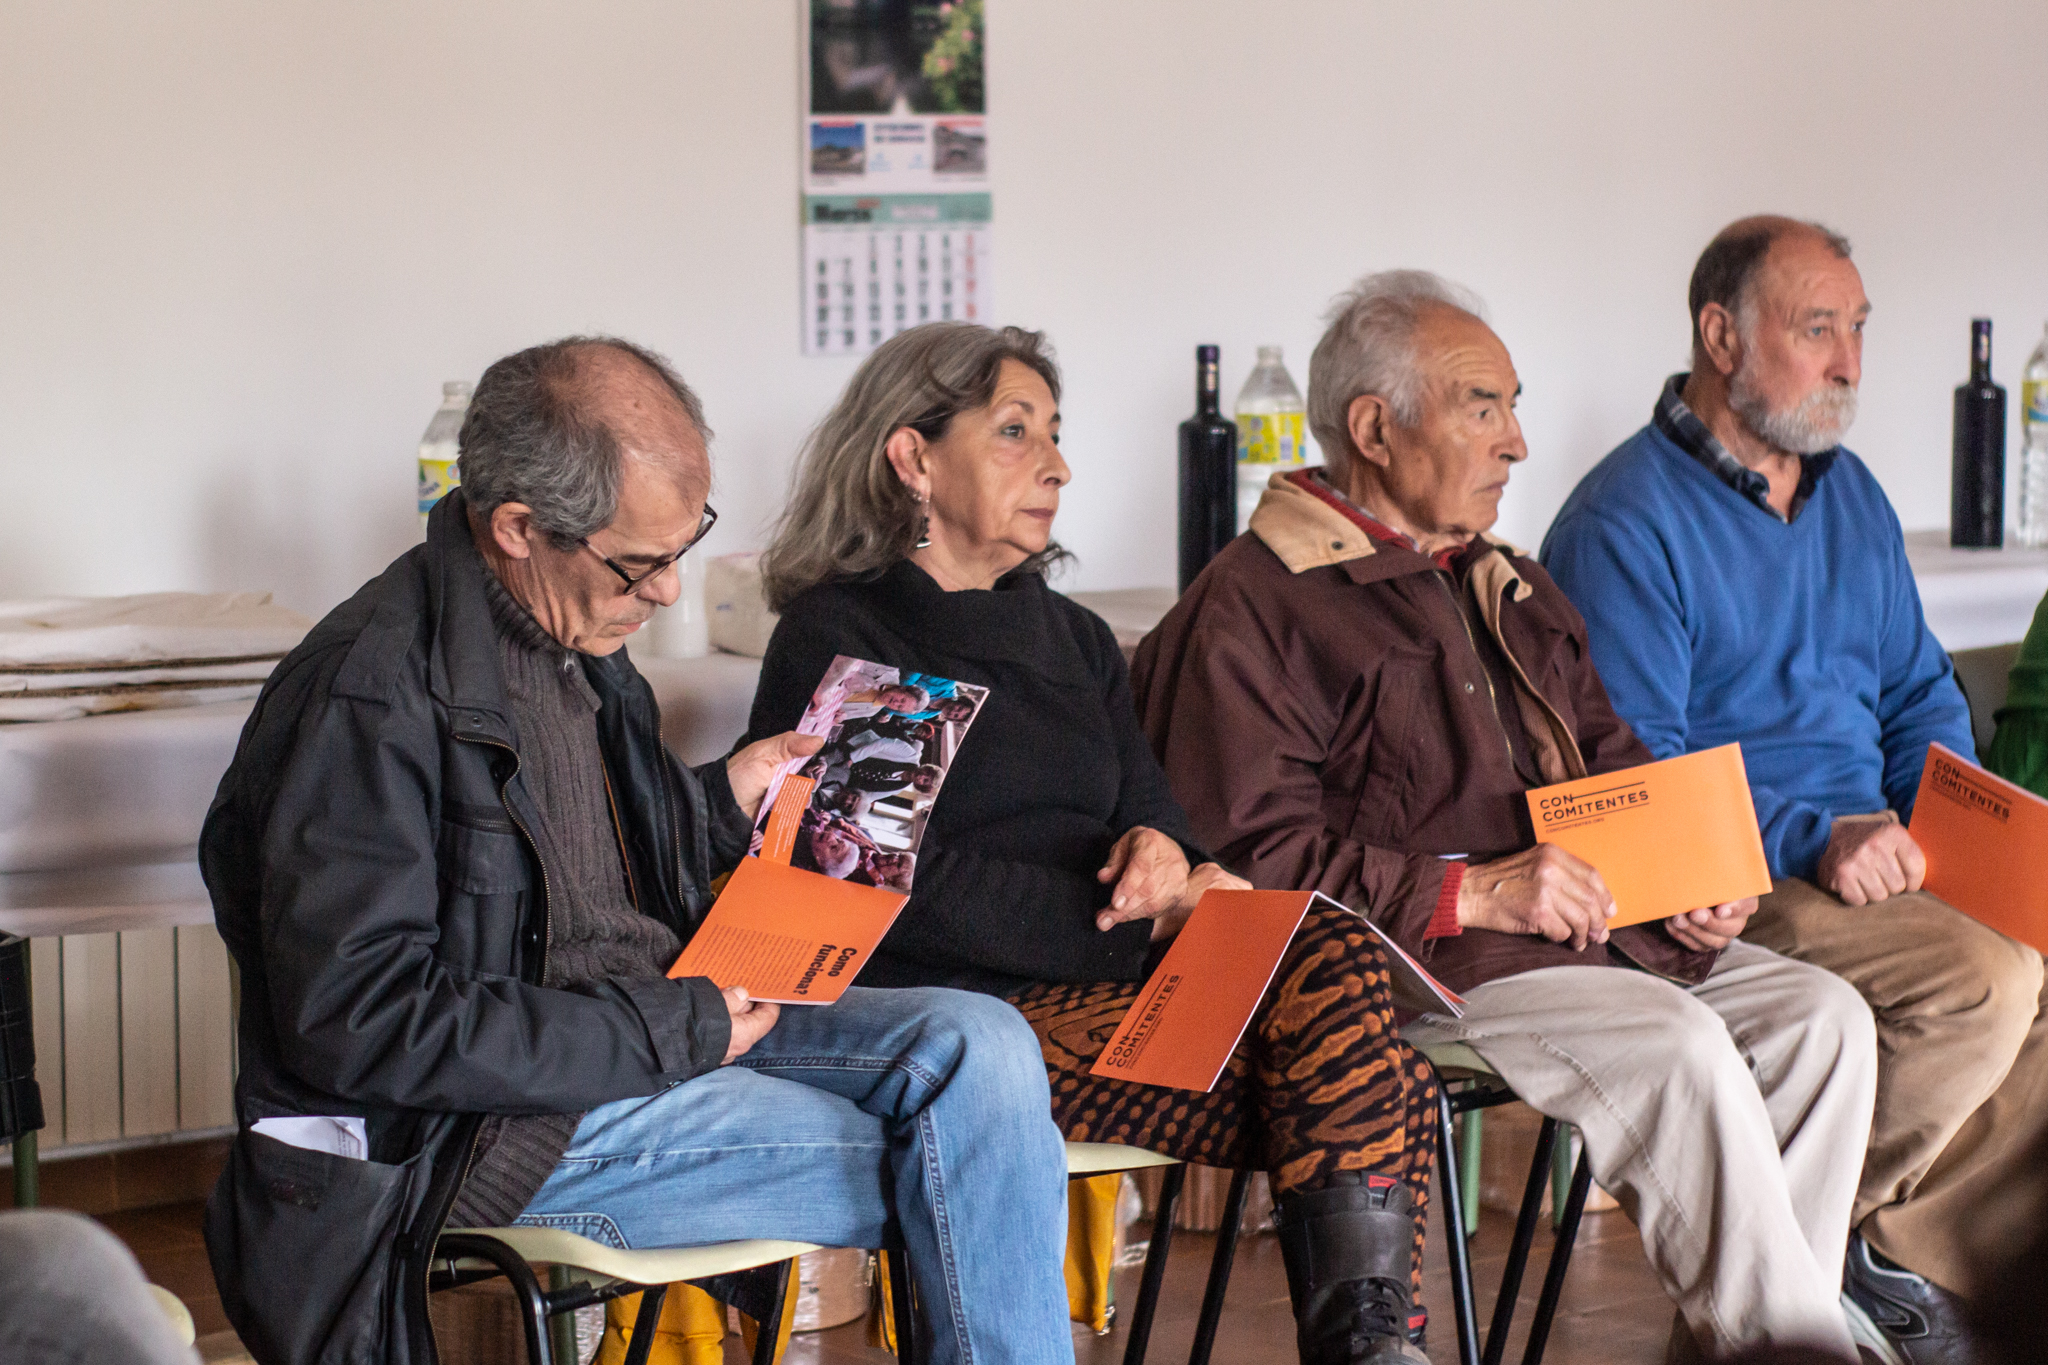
[
  {"x": 1270, "y": 430},
  {"x": 2034, "y": 448},
  {"x": 437, "y": 448}
]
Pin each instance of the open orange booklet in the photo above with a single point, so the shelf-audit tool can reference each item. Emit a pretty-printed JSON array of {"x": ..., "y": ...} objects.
[
  {"x": 1666, "y": 837},
  {"x": 836, "y": 837},
  {"x": 1986, "y": 842},
  {"x": 1204, "y": 991},
  {"x": 787, "y": 935}
]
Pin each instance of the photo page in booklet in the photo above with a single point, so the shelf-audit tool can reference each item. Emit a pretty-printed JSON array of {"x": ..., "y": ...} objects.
[
  {"x": 1986, "y": 844},
  {"x": 1190, "y": 1014},
  {"x": 835, "y": 846},
  {"x": 1666, "y": 837}
]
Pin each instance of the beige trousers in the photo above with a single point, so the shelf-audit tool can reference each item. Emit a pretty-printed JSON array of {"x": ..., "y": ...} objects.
[
  {"x": 1728, "y": 1118},
  {"x": 1956, "y": 1152}
]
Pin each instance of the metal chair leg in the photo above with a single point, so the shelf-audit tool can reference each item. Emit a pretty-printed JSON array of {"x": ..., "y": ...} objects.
[
  {"x": 1465, "y": 1309},
  {"x": 1155, "y": 1266},
  {"x": 646, "y": 1322},
  {"x": 770, "y": 1329},
  {"x": 1219, "y": 1268},
  {"x": 533, "y": 1303},
  {"x": 1560, "y": 1261},
  {"x": 902, "y": 1307},
  {"x": 1518, "y": 1250}
]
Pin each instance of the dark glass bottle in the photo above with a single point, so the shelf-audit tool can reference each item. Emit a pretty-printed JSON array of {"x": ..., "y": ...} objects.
[
  {"x": 1208, "y": 474},
  {"x": 1976, "y": 515}
]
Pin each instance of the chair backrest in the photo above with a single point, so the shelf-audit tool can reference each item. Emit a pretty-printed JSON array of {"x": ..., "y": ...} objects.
[{"x": 1983, "y": 675}]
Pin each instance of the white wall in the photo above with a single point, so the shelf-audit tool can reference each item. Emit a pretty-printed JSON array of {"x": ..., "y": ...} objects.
[{"x": 241, "y": 244}]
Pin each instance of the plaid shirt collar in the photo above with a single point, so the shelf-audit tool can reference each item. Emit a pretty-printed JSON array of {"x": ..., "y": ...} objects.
[{"x": 1690, "y": 434}]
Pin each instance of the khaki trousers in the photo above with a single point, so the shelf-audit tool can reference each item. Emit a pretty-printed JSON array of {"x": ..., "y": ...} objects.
[
  {"x": 1728, "y": 1118},
  {"x": 1957, "y": 1149}
]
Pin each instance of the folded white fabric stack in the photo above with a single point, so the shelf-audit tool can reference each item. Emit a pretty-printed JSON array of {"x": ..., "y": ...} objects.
[{"x": 64, "y": 657}]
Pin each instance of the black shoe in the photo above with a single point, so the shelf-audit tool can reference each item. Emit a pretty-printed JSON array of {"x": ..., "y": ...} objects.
[
  {"x": 1348, "y": 1247},
  {"x": 1922, "y": 1323}
]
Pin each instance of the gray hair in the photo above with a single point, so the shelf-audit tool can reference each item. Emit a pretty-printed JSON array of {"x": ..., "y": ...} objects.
[
  {"x": 532, "y": 437},
  {"x": 849, "y": 516},
  {"x": 1726, "y": 271},
  {"x": 1369, "y": 348}
]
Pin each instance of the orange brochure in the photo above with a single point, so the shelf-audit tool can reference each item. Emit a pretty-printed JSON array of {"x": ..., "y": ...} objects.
[
  {"x": 787, "y": 935},
  {"x": 1666, "y": 837},
  {"x": 1986, "y": 843},
  {"x": 1192, "y": 1011}
]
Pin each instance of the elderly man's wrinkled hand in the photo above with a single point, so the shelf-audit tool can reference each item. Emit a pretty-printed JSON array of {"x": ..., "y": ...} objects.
[
  {"x": 1543, "y": 890},
  {"x": 750, "y": 769},
  {"x": 1711, "y": 929},
  {"x": 751, "y": 1020},
  {"x": 1870, "y": 858},
  {"x": 1151, "y": 876}
]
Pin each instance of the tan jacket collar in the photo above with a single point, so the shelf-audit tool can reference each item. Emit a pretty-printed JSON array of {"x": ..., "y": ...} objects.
[{"x": 1306, "y": 532}]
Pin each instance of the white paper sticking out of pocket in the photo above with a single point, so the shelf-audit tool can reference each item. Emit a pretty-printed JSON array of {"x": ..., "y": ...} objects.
[{"x": 342, "y": 1136}]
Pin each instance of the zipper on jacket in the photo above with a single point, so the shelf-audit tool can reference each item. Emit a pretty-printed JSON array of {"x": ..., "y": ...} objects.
[
  {"x": 1473, "y": 641},
  {"x": 611, "y": 805}
]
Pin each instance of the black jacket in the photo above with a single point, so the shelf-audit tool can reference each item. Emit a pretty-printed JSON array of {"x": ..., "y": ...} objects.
[{"x": 376, "y": 872}]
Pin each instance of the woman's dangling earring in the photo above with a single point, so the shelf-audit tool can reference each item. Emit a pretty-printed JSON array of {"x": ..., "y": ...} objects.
[{"x": 924, "y": 528}]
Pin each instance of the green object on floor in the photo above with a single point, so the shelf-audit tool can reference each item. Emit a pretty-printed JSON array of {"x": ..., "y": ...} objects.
[
  {"x": 1468, "y": 1166},
  {"x": 1561, "y": 1173},
  {"x": 26, "y": 1194},
  {"x": 562, "y": 1326}
]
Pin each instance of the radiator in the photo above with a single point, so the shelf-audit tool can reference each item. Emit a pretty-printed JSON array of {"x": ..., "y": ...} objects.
[{"x": 134, "y": 1037}]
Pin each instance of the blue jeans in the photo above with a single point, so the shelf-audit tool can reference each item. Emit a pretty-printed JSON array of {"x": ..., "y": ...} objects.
[{"x": 913, "y": 1118}]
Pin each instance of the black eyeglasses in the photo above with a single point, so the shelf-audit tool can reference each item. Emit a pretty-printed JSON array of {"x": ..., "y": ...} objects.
[{"x": 633, "y": 581}]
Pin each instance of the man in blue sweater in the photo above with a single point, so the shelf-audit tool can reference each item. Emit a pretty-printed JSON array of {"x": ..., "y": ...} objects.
[{"x": 1743, "y": 579}]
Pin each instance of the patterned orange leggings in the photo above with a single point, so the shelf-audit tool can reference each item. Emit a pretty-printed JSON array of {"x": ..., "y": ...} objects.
[{"x": 1319, "y": 1082}]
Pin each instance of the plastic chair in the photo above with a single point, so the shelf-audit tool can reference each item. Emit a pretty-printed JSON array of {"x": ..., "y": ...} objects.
[
  {"x": 1466, "y": 1084},
  {"x": 175, "y": 1311},
  {"x": 588, "y": 1272}
]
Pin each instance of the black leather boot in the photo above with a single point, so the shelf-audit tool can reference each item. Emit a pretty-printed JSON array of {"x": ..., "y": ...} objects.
[{"x": 1348, "y": 1247}]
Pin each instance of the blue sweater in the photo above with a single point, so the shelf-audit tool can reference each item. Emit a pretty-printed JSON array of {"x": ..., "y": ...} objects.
[{"x": 1712, "y": 622}]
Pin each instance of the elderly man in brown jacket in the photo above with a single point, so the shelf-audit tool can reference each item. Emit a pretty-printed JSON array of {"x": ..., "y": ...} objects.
[{"x": 1355, "y": 696}]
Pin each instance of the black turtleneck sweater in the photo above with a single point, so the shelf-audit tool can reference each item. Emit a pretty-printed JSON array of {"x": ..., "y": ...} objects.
[{"x": 1054, "y": 769}]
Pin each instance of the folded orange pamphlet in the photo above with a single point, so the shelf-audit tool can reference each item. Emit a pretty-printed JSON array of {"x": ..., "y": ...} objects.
[
  {"x": 1666, "y": 837},
  {"x": 1986, "y": 842},
  {"x": 1191, "y": 1013},
  {"x": 789, "y": 936}
]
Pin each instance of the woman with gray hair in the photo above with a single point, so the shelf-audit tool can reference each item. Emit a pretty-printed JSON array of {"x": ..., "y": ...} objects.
[{"x": 1057, "y": 865}]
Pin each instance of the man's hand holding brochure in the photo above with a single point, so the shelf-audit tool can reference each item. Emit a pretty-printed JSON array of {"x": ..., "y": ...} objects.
[
  {"x": 1667, "y": 839},
  {"x": 842, "y": 811}
]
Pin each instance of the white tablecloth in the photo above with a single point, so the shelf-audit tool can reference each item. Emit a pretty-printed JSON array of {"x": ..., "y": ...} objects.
[
  {"x": 100, "y": 817},
  {"x": 1975, "y": 598}
]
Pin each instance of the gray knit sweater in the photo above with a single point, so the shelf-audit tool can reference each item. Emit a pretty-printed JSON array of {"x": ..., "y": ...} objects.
[{"x": 594, "y": 930}]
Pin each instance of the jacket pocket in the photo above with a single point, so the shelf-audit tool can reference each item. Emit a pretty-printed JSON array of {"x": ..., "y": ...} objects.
[
  {"x": 304, "y": 1249},
  {"x": 482, "y": 862}
]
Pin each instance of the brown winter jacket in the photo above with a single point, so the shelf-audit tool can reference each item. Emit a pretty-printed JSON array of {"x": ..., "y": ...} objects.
[{"x": 1328, "y": 723}]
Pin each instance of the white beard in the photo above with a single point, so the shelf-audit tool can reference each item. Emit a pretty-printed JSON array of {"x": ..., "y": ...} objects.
[{"x": 1816, "y": 423}]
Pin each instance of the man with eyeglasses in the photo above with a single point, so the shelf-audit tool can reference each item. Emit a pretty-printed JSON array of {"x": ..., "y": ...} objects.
[{"x": 453, "y": 862}]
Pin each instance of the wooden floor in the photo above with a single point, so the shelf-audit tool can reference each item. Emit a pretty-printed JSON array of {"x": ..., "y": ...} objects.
[{"x": 1613, "y": 1312}]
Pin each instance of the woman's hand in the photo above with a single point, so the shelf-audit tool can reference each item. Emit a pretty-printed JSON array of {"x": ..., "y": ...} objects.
[
  {"x": 1204, "y": 879},
  {"x": 749, "y": 770},
  {"x": 1151, "y": 876}
]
